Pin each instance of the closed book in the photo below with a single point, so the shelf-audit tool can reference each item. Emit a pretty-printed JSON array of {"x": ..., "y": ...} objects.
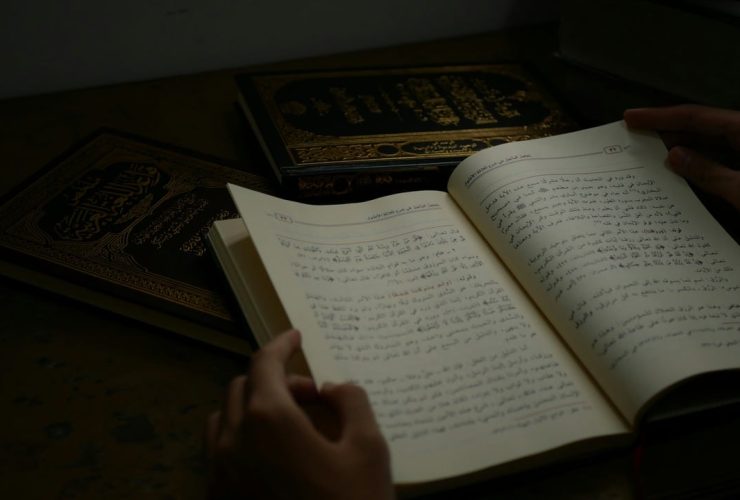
[
  {"x": 361, "y": 133},
  {"x": 120, "y": 223}
]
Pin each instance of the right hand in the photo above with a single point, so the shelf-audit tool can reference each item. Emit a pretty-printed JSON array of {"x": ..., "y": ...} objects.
[{"x": 264, "y": 444}]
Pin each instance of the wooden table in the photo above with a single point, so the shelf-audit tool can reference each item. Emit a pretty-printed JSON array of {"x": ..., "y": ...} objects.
[{"x": 99, "y": 406}]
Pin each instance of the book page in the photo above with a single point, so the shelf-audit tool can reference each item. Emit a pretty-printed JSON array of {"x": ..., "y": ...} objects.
[
  {"x": 402, "y": 296},
  {"x": 252, "y": 288},
  {"x": 616, "y": 250}
]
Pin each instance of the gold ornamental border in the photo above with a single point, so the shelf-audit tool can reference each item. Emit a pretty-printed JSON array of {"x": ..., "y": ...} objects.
[
  {"x": 19, "y": 231},
  {"x": 294, "y": 139}
]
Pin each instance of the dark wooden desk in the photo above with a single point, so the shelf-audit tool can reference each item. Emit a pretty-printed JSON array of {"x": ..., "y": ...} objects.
[{"x": 97, "y": 406}]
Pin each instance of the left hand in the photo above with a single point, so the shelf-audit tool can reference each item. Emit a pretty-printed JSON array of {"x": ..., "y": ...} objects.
[{"x": 699, "y": 139}]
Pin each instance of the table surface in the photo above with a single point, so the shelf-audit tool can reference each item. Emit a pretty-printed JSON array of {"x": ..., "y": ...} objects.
[{"x": 99, "y": 406}]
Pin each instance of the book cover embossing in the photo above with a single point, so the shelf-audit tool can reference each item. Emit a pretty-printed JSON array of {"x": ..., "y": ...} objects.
[
  {"x": 405, "y": 114},
  {"x": 129, "y": 218}
]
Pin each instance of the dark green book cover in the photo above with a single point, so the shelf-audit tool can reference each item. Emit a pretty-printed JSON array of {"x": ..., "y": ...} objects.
[
  {"x": 126, "y": 220},
  {"x": 343, "y": 132}
]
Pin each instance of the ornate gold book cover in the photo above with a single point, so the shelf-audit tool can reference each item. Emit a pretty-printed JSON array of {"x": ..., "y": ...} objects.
[
  {"x": 332, "y": 132},
  {"x": 128, "y": 219}
]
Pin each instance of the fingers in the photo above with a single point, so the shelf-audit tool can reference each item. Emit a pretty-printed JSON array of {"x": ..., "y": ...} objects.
[
  {"x": 268, "y": 380},
  {"x": 268, "y": 385},
  {"x": 353, "y": 408},
  {"x": 303, "y": 389},
  {"x": 688, "y": 118},
  {"x": 706, "y": 174},
  {"x": 233, "y": 408},
  {"x": 696, "y": 141},
  {"x": 267, "y": 371},
  {"x": 272, "y": 413}
]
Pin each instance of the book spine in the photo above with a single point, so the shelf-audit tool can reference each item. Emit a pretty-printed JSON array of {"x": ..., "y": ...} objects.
[{"x": 356, "y": 186}]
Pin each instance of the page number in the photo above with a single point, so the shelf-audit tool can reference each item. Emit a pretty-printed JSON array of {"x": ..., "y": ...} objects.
[{"x": 282, "y": 217}]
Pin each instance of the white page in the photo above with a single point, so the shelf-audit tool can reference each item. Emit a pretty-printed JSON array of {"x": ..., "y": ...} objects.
[
  {"x": 616, "y": 250},
  {"x": 402, "y": 296}
]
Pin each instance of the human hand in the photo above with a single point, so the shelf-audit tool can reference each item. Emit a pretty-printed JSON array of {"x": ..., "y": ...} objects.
[
  {"x": 264, "y": 444},
  {"x": 698, "y": 137}
]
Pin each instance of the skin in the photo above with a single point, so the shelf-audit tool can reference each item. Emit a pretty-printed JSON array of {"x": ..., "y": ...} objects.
[
  {"x": 703, "y": 142},
  {"x": 277, "y": 436}
]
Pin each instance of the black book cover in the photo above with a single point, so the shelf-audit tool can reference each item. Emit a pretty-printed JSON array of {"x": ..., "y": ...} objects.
[
  {"x": 128, "y": 218},
  {"x": 336, "y": 132}
]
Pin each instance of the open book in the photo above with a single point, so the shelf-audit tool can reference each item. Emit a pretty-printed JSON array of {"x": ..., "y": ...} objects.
[{"x": 539, "y": 307}]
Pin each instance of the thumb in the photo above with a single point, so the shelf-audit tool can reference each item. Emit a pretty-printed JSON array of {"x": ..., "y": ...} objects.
[
  {"x": 706, "y": 174},
  {"x": 352, "y": 405}
]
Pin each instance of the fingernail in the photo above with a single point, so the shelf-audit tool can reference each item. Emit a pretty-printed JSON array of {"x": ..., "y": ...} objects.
[
  {"x": 679, "y": 157},
  {"x": 296, "y": 334}
]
